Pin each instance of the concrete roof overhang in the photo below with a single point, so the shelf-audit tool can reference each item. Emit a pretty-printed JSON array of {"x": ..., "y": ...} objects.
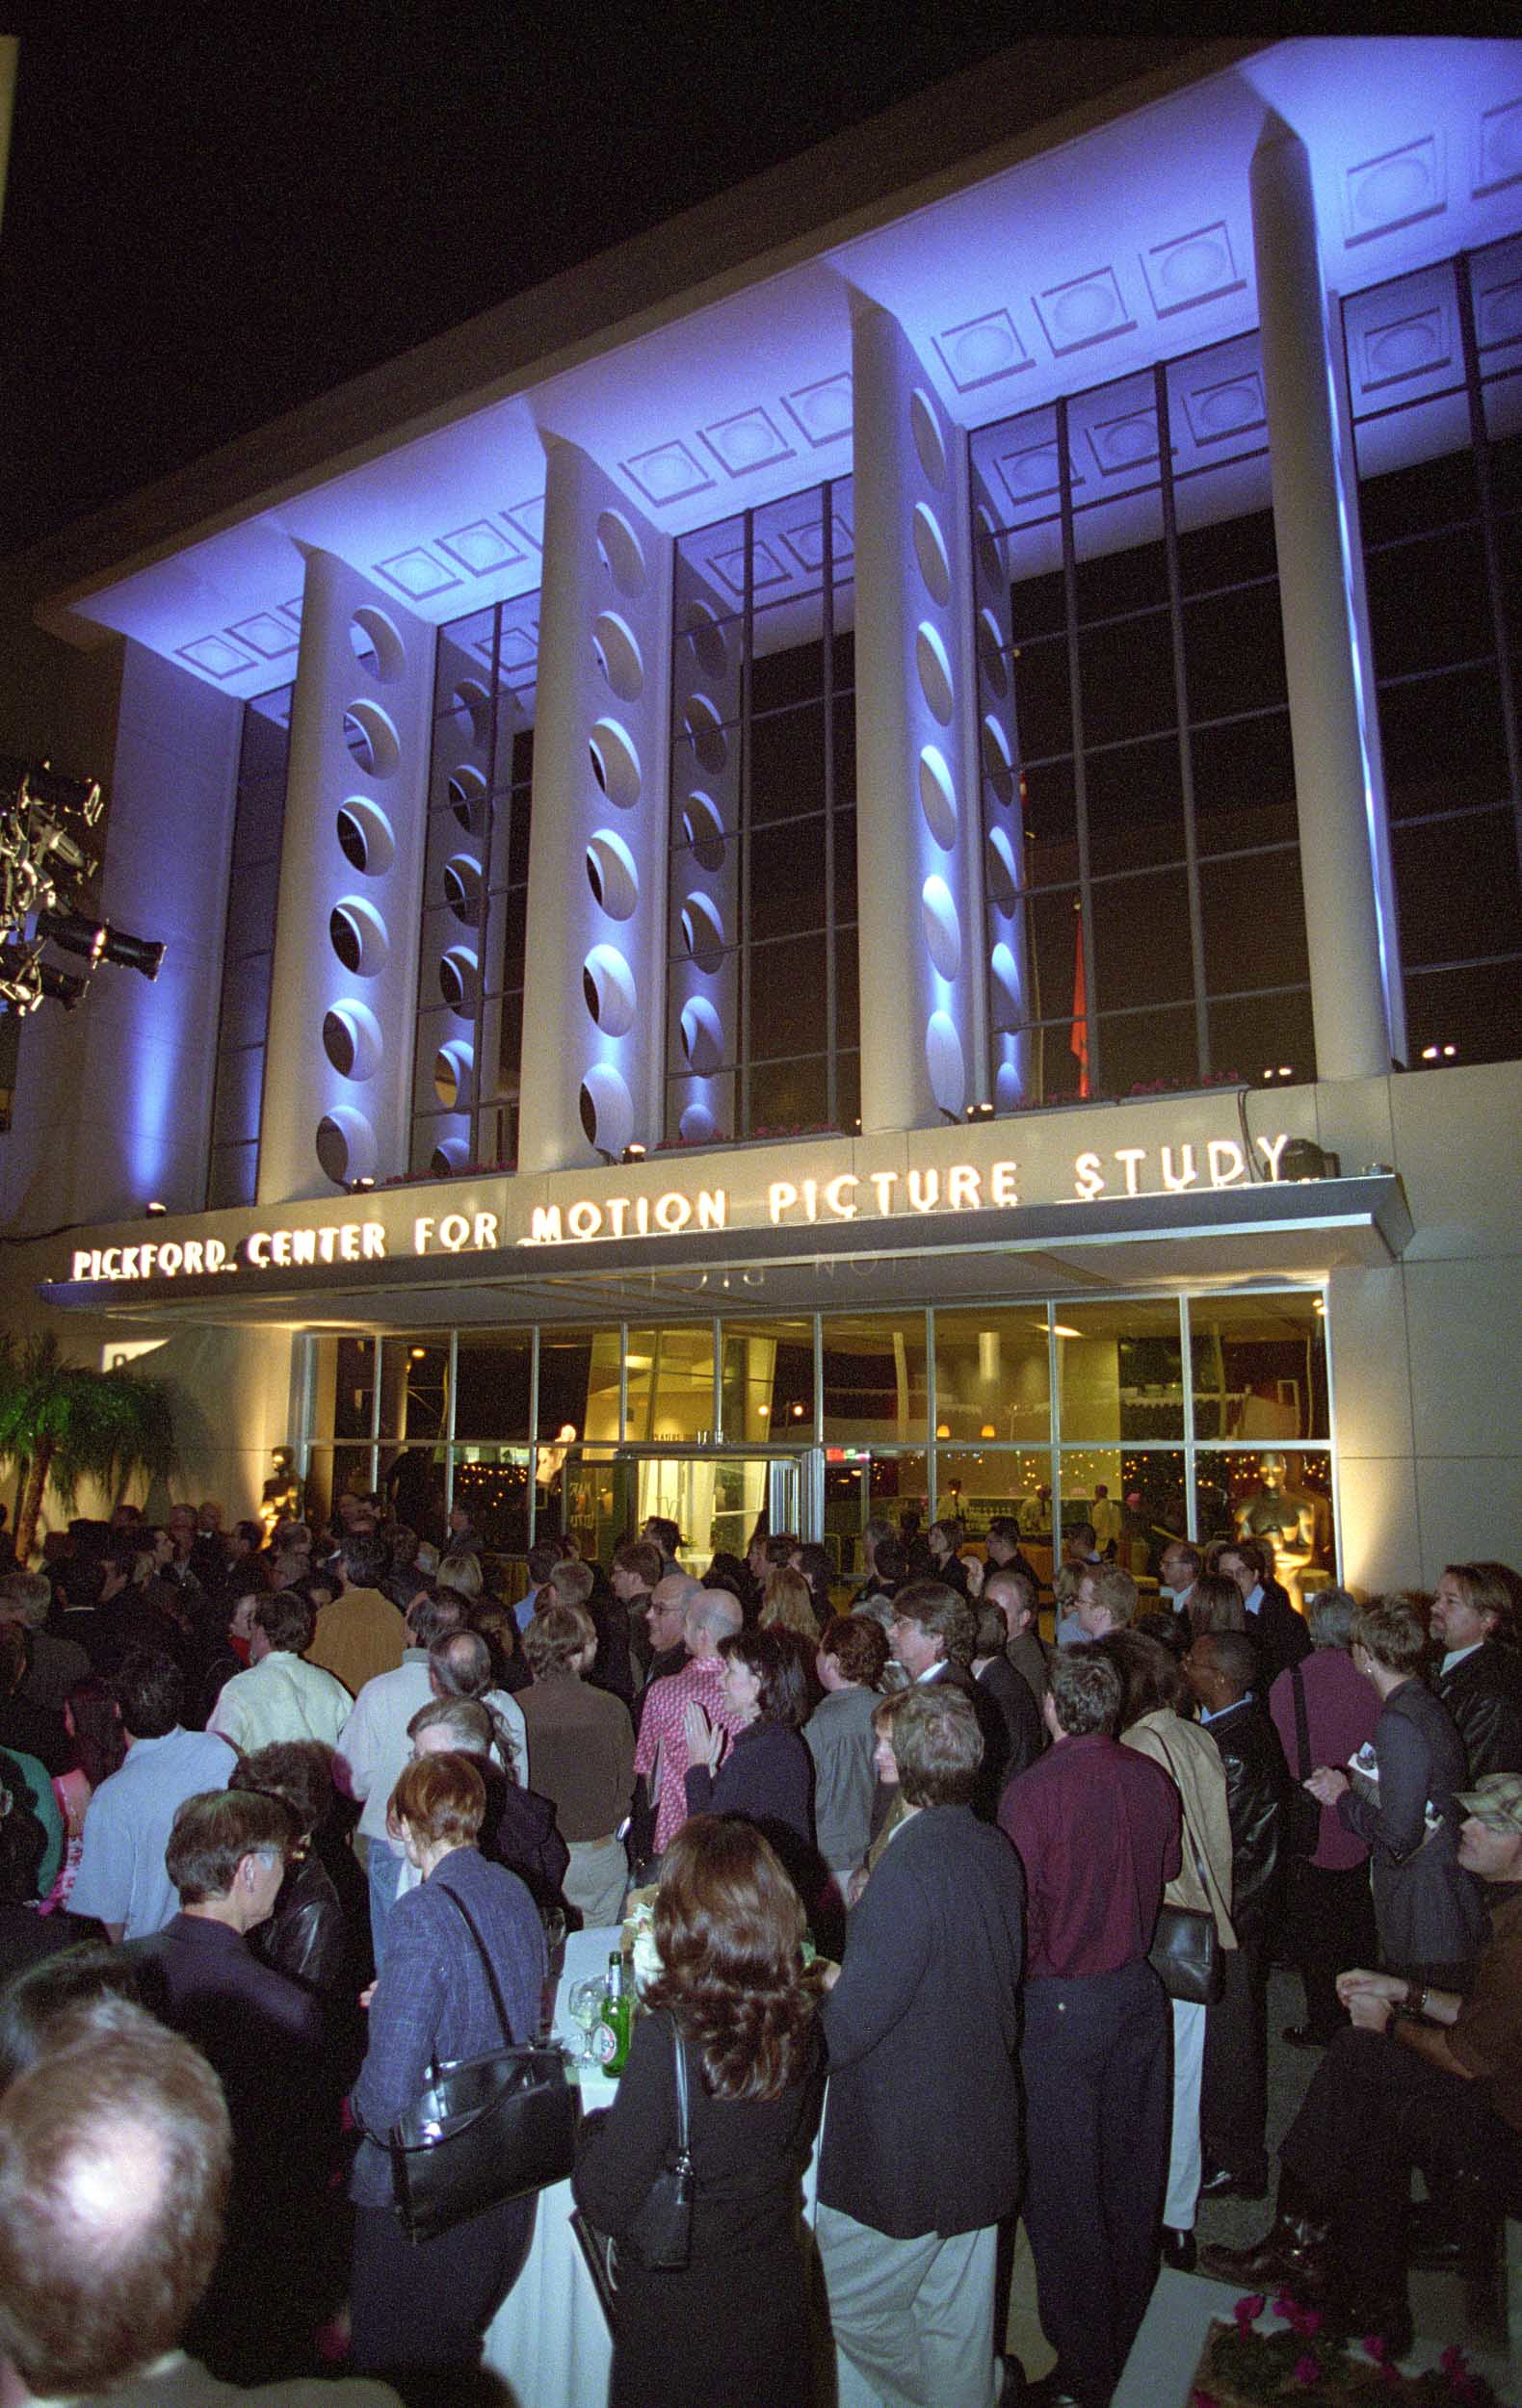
[
  {"x": 1289, "y": 1232},
  {"x": 707, "y": 365}
]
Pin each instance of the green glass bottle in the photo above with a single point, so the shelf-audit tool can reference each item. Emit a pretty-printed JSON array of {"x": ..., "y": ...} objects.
[{"x": 611, "y": 2039}]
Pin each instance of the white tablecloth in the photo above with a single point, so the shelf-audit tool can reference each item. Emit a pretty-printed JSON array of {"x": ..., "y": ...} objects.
[{"x": 549, "y": 2340}]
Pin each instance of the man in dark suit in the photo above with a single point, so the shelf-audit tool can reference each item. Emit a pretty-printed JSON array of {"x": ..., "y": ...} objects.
[
  {"x": 1221, "y": 1669},
  {"x": 1278, "y": 1631},
  {"x": 920, "y": 2157},
  {"x": 933, "y": 1635},
  {"x": 1478, "y": 1675},
  {"x": 1024, "y": 1732}
]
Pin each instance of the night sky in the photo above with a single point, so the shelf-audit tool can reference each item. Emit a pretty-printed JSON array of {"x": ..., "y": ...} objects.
[{"x": 208, "y": 222}]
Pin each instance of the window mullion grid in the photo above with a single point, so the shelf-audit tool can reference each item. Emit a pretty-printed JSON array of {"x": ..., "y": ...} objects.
[
  {"x": 432, "y": 822},
  {"x": 1187, "y": 1359},
  {"x": 1479, "y": 442},
  {"x": 534, "y": 1434},
  {"x": 742, "y": 932},
  {"x": 1054, "y": 1426},
  {"x": 1186, "y": 751},
  {"x": 1086, "y": 919},
  {"x": 932, "y": 1417},
  {"x": 827, "y": 625}
]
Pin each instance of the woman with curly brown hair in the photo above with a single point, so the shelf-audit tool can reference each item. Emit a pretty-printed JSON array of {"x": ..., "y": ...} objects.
[{"x": 731, "y": 2329}]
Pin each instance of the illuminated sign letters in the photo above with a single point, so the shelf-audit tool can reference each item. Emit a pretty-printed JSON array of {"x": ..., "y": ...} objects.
[{"x": 796, "y": 1203}]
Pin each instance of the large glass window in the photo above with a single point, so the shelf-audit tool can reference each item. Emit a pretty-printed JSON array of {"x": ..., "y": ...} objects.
[
  {"x": 471, "y": 964},
  {"x": 253, "y": 892},
  {"x": 1434, "y": 375},
  {"x": 1151, "y": 1417},
  {"x": 762, "y": 1033},
  {"x": 1145, "y": 924}
]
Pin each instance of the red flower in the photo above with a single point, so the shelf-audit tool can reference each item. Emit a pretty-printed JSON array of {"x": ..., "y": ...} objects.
[
  {"x": 1247, "y": 2311},
  {"x": 1306, "y": 2369},
  {"x": 1377, "y": 2347}
]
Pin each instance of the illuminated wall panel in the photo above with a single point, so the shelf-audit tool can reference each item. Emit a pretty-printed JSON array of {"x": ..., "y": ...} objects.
[
  {"x": 919, "y": 890},
  {"x": 345, "y": 980},
  {"x": 595, "y": 994}
]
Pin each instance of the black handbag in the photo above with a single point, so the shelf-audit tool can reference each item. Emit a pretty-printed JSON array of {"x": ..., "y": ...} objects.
[
  {"x": 484, "y": 2130},
  {"x": 1186, "y": 1956},
  {"x": 660, "y": 2239},
  {"x": 1302, "y": 1814}
]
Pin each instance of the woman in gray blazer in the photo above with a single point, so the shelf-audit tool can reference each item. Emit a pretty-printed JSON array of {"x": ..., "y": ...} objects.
[{"x": 1426, "y": 1907}]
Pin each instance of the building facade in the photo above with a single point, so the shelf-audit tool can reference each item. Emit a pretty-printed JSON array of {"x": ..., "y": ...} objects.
[{"x": 889, "y": 882}]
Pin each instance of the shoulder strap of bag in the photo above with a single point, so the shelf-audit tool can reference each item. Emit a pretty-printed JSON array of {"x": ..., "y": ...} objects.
[
  {"x": 682, "y": 2141},
  {"x": 1189, "y": 1833},
  {"x": 1302, "y": 1728},
  {"x": 497, "y": 1999}
]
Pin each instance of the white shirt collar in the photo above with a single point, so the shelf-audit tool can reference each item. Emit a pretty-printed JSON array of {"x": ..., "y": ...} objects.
[{"x": 1457, "y": 1655}]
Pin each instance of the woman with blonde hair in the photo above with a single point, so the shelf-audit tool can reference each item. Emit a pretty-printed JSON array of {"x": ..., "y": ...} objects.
[{"x": 787, "y": 1603}]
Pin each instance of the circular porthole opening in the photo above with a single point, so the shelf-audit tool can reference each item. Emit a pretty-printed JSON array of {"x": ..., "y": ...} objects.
[
  {"x": 346, "y": 1146},
  {"x": 612, "y": 875},
  {"x": 352, "y": 1040},
  {"x": 364, "y": 837},
  {"x": 372, "y": 739},
  {"x": 376, "y": 645},
  {"x": 358, "y": 937}
]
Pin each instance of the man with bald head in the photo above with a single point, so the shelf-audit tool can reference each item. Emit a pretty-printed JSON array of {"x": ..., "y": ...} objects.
[
  {"x": 114, "y": 2175},
  {"x": 661, "y": 1755}
]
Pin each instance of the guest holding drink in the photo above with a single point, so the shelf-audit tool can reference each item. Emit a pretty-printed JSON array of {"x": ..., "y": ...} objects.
[{"x": 731, "y": 2328}]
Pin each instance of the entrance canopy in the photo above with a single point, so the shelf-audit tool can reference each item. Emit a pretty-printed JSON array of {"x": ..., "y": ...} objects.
[{"x": 380, "y": 1261}]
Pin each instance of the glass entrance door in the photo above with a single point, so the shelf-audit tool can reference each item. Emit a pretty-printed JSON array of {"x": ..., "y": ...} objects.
[{"x": 604, "y": 1495}]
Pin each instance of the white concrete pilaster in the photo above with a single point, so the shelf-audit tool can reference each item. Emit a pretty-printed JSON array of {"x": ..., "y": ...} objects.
[
  {"x": 594, "y": 1001},
  {"x": 1350, "y": 953},
  {"x": 919, "y": 875},
  {"x": 341, "y": 1039}
]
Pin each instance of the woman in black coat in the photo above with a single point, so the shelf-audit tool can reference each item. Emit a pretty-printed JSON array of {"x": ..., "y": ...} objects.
[
  {"x": 730, "y": 2329},
  {"x": 767, "y": 1773}
]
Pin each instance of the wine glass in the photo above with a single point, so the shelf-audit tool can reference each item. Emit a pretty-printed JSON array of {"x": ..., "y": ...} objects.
[{"x": 586, "y": 2011}]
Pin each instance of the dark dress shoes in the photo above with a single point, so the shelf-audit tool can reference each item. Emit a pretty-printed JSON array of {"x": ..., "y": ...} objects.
[
  {"x": 1178, "y": 2250},
  {"x": 1292, "y": 2255}
]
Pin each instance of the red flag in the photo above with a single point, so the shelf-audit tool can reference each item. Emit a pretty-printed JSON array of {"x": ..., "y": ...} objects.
[{"x": 1078, "y": 1042}]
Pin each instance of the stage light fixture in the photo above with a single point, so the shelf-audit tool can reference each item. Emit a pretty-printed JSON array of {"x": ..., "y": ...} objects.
[
  {"x": 97, "y": 941},
  {"x": 634, "y": 1153},
  {"x": 156, "y": 1210}
]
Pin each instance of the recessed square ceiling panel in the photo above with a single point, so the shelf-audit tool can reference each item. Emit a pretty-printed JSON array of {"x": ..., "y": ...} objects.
[
  {"x": 805, "y": 541},
  {"x": 416, "y": 573},
  {"x": 1393, "y": 190},
  {"x": 822, "y": 412},
  {"x": 1088, "y": 310},
  {"x": 293, "y": 610},
  {"x": 265, "y": 634},
  {"x": 480, "y": 547},
  {"x": 668, "y": 474},
  {"x": 215, "y": 657},
  {"x": 982, "y": 351},
  {"x": 529, "y": 519},
  {"x": 746, "y": 442},
  {"x": 1193, "y": 268},
  {"x": 1222, "y": 408},
  {"x": 1500, "y": 146}
]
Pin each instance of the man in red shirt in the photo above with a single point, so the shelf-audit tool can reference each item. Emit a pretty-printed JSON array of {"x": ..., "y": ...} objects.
[
  {"x": 1097, "y": 1827},
  {"x": 662, "y": 1754}
]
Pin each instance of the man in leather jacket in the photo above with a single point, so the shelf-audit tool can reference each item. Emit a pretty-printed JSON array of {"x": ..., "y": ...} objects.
[
  {"x": 1479, "y": 1673},
  {"x": 1221, "y": 1667}
]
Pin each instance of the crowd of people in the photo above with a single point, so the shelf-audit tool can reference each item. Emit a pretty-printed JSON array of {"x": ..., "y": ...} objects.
[{"x": 316, "y": 1807}]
